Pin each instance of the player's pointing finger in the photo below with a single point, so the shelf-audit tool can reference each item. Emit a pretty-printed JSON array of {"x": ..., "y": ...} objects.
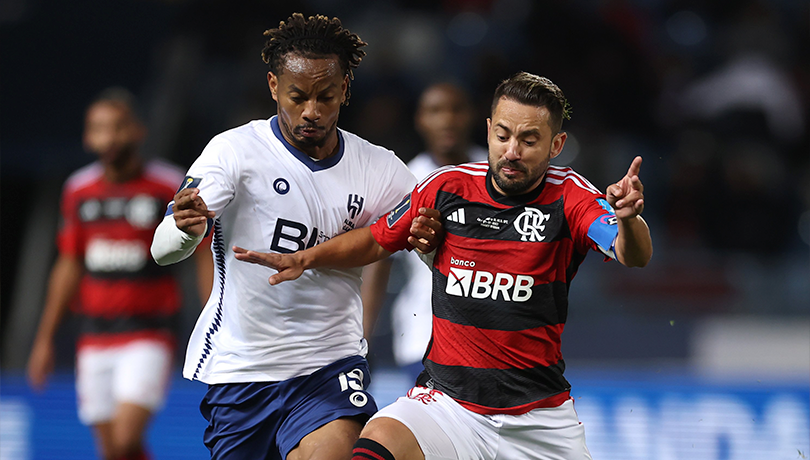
[{"x": 635, "y": 167}]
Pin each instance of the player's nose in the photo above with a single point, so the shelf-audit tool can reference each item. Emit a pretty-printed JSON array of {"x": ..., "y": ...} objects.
[{"x": 311, "y": 111}]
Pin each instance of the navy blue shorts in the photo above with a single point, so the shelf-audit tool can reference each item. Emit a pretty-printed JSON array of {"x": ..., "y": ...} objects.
[{"x": 266, "y": 420}]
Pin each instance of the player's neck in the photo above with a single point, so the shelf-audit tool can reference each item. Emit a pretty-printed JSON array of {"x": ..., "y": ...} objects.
[
  {"x": 123, "y": 171},
  {"x": 455, "y": 156},
  {"x": 329, "y": 148}
]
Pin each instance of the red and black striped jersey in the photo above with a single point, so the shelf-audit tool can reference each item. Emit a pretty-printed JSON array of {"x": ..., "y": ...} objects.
[
  {"x": 501, "y": 280},
  {"x": 124, "y": 294}
]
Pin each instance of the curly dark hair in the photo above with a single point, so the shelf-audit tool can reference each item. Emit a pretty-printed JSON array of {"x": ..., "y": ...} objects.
[
  {"x": 313, "y": 37},
  {"x": 530, "y": 89}
]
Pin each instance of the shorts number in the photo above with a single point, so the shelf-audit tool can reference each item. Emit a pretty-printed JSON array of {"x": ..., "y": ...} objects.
[{"x": 353, "y": 380}]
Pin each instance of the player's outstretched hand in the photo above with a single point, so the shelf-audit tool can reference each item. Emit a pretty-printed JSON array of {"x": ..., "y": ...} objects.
[
  {"x": 289, "y": 266},
  {"x": 191, "y": 212},
  {"x": 427, "y": 231},
  {"x": 627, "y": 195}
]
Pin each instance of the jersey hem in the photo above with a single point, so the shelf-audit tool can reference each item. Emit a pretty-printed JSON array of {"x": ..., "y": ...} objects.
[{"x": 551, "y": 401}]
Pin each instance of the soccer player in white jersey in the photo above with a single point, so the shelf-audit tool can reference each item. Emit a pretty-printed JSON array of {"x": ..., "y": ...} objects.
[
  {"x": 286, "y": 365},
  {"x": 444, "y": 120}
]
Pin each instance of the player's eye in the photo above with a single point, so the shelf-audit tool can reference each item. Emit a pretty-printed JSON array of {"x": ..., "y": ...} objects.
[
  {"x": 501, "y": 138},
  {"x": 529, "y": 143}
]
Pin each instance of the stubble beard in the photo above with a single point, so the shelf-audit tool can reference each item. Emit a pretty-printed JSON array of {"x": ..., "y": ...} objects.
[
  {"x": 302, "y": 142},
  {"x": 513, "y": 186}
]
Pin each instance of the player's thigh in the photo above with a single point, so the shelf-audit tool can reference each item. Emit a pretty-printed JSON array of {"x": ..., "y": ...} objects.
[
  {"x": 129, "y": 425},
  {"x": 94, "y": 383},
  {"x": 332, "y": 441},
  {"x": 442, "y": 428},
  {"x": 553, "y": 433},
  {"x": 335, "y": 393},
  {"x": 142, "y": 374}
]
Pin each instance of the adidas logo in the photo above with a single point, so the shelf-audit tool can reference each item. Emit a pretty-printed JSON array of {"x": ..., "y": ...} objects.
[{"x": 457, "y": 216}]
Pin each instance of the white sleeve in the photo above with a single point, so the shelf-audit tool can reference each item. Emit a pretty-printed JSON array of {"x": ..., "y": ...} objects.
[
  {"x": 393, "y": 181},
  {"x": 170, "y": 244},
  {"x": 214, "y": 173}
]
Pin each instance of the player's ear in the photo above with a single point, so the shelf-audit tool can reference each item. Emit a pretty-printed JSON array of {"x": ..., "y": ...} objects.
[
  {"x": 558, "y": 143},
  {"x": 272, "y": 82}
]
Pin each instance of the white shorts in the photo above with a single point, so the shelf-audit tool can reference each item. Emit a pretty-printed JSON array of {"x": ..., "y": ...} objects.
[
  {"x": 136, "y": 372},
  {"x": 446, "y": 430}
]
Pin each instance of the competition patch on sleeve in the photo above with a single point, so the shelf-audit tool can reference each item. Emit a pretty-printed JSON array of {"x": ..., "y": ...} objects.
[
  {"x": 603, "y": 230},
  {"x": 400, "y": 210},
  {"x": 189, "y": 182}
]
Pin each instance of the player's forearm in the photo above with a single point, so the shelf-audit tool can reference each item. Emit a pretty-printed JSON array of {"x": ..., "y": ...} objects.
[
  {"x": 170, "y": 244},
  {"x": 64, "y": 281},
  {"x": 633, "y": 244},
  {"x": 351, "y": 249}
]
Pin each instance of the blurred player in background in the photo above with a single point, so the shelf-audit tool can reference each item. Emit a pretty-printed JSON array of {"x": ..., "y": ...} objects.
[
  {"x": 128, "y": 305},
  {"x": 286, "y": 365},
  {"x": 517, "y": 231},
  {"x": 444, "y": 120}
]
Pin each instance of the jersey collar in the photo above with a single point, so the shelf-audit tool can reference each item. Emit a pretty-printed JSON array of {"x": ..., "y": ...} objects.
[
  {"x": 303, "y": 157},
  {"x": 513, "y": 200}
]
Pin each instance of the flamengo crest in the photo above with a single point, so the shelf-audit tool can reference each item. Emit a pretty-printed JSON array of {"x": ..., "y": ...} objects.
[{"x": 530, "y": 223}]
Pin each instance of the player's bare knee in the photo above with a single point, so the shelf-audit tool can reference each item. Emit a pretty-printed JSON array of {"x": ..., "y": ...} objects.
[
  {"x": 395, "y": 436},
  {"x": 380, "y": 428}
]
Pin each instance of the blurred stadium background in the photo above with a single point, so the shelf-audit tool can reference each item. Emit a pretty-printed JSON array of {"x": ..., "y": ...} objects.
[{"x": 704, "y": 354}]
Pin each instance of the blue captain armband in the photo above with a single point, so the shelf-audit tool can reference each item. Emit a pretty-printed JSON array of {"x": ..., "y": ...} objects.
[{"x": 604, "y": 230}]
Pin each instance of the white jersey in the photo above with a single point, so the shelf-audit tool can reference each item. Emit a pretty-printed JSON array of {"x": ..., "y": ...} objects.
[
  {"x": 270, "y": 197},
  {"x": 411, "y": 316}
]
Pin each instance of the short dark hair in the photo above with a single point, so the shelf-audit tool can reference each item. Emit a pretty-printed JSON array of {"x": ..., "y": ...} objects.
[
  {"x": 121, "y": 96},
  {"x": 530, "y": 89},
  {"x": 313, "y": 37}
]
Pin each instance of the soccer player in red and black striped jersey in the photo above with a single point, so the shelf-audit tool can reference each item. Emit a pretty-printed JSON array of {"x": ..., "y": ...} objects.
[
  {"x": 127, "y": 305},
  {"x": 517, "y": 230}
]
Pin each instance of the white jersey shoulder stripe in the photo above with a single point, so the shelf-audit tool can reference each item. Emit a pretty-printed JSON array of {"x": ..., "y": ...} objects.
[
  {"x": 562, "y": 174},
  {"x": 473, "y": 169}
]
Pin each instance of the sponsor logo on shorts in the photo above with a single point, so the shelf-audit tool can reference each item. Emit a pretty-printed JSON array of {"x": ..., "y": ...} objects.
[{"x": 423, "y": 395}]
